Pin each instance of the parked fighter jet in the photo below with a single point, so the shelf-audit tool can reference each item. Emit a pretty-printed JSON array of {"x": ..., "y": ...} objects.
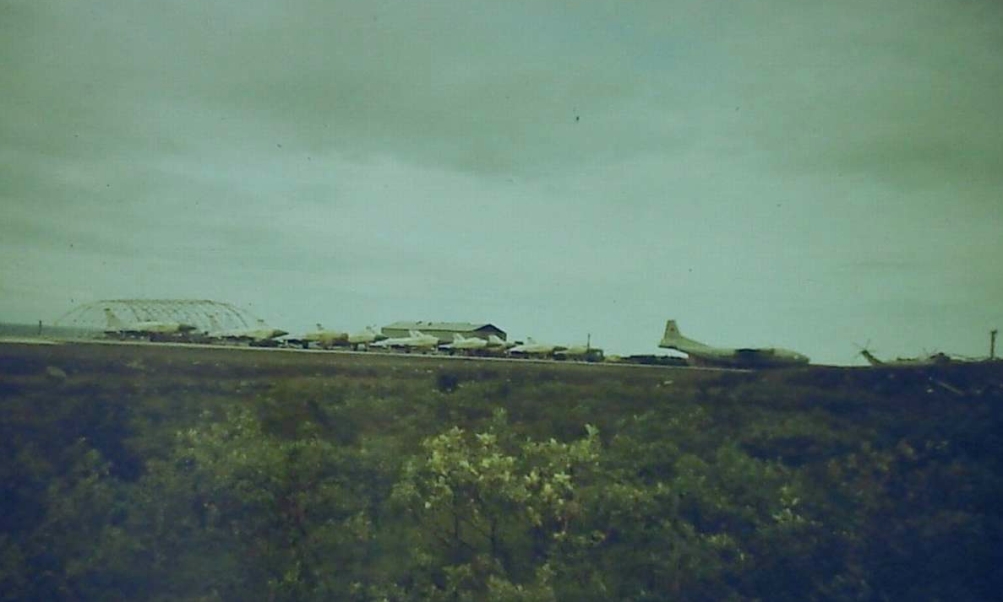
[
  {"x": 261, "y": 336},
  {"x": 934, "y": 359},
  {"x": 581, "y": 353},
  {"x": 144, "y": 329},
  {"x": 323, "y": 338},
  {"x": 743, "y": 357},
  {"x": 415, "y": 340},
  {"x": 467, "y": 346},
  {"x": 496, "y": 344},
  {"x": 365, "y": 338},
  {"x": 533, "y": 349}
]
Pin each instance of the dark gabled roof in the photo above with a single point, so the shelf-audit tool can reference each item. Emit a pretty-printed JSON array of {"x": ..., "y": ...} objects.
[{"x": 450, "y": 326}]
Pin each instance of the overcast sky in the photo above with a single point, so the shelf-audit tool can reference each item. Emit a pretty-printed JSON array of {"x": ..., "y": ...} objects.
[{"x": 778, "y": 172}]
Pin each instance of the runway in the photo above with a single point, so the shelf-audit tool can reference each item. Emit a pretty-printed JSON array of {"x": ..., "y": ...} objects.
[{"x": 356, "y": 355}]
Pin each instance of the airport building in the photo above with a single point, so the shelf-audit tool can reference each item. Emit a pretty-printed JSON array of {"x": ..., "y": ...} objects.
[
  {"x": 444, "y": 330},
  {"x": 200, "y": 313}
]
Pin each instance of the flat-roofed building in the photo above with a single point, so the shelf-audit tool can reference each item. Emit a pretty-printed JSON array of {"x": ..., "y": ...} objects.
[{"x": 444, "y": 330}]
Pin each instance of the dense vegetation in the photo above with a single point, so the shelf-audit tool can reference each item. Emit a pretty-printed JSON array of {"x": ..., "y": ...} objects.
[{"x": 199, "y": 475}]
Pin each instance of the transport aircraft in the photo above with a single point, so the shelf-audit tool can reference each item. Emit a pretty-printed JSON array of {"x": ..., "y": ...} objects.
[
  {"x": 263, "y": 335},
  {"x": 742, "y": 357},
  {"x": 415, "y": 340},
  {"x": 467, "y": 346},
  {"x": 146, "y": 328},
  {"x": 533, "y": 349}
]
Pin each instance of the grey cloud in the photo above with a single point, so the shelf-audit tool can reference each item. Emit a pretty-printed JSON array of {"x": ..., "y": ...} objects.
[
  {"x": 548, "y": 164},
  {"x": 441, "y": 85},
  {"x": 896, "y": 91}
]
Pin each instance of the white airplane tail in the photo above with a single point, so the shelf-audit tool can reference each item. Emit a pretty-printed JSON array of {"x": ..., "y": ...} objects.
[
  {"x": 458, "y": 338},
  {"x": 671, "y": 331},
  {"x": 114, "y": 323},
  {"x": 675, "y": 339}
]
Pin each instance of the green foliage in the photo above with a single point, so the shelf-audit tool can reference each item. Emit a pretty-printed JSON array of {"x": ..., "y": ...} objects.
[
  {"x": 286, "y": 517},
  {"x": 492, "y": 508},
  {"x": 184, "y": 475}
]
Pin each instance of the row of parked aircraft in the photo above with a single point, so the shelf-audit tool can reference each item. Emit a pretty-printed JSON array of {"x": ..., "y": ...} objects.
[
  {"x": 263, "y": 335},
  {"x": 492, "y": 345},
  {"x": 417, "y": 341},
  {"x": 323, "y": 338},
  {"x": 167, "y": 330},
  {"x": 143, "y": 328}
]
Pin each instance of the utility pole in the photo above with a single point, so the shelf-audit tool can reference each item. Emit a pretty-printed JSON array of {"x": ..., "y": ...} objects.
[{"x": 992, "y": 343}]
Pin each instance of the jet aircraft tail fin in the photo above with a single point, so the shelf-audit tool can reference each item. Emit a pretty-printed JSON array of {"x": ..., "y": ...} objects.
[{"x": 458, "y": 338}]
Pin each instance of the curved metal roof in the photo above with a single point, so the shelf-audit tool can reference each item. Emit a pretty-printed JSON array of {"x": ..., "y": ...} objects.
[{"x": 197, "y": 312}]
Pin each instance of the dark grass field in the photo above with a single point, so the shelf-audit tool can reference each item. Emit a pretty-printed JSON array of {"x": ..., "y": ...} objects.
[{"x": 814, "y": 483}]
